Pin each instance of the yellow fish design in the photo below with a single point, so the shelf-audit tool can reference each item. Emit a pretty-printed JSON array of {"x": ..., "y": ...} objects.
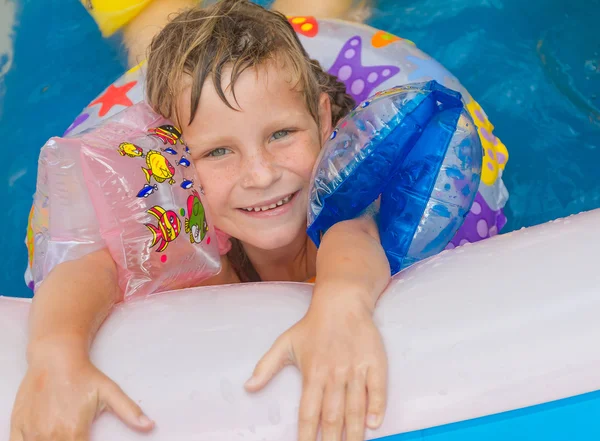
[
  {"x": 159, "y": 168},
  {"x": 131, "y": 150}
]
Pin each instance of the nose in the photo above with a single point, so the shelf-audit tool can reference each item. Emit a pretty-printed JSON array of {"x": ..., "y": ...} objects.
[{"x": 260, "y": 170}]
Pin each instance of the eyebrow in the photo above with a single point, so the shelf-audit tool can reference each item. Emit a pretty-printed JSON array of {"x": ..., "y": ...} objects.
[
  {"x": 204, "y": 142},
  {"x": 280, "y": 121}
]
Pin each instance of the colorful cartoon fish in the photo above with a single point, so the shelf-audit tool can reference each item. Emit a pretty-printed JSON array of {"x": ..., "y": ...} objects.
[
  {"x": 183, "y": 162},
  {"x": 131, "y": 150},
  {"x": 168, "y": 134},
  {"x": 187, "y": 184},
  {"x": 170, "y": 151},
  {"x": 167, "y": 230},
  {"x": 159, "y": 168},
  {"x": 147, "y": 190},
  {"x": 195, "y": 223}
]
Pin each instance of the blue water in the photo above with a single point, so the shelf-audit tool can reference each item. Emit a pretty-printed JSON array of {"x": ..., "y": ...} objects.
[{"x": 532, "y": 65}]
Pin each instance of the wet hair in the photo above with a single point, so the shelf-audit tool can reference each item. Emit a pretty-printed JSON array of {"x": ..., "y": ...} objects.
[{"x": 227, "y": 38}]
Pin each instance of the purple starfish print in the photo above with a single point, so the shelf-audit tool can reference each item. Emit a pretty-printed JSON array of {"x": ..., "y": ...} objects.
[
  {"x": 359, "y": 80},
  {"x": 480, "y": 223},
  {"x": 78, "y": 121}
]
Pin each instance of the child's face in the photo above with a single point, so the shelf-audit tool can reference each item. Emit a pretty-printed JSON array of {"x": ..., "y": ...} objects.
[{"x": 255, "y": 164}]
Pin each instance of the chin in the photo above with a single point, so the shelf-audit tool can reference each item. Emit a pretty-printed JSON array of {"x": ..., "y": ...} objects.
[{"x": 273, "y": 239}]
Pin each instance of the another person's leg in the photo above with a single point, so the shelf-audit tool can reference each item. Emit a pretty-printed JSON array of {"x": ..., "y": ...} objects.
[{"x": 138, "y": 33}]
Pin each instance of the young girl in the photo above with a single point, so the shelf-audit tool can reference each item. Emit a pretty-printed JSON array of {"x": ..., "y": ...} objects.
[{"x": 254, "y": 111}]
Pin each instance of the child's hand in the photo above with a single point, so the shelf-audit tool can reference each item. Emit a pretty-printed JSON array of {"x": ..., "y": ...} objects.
[
  {"x": 60, "y": 397},
  {"x": 341, "y": 356}
]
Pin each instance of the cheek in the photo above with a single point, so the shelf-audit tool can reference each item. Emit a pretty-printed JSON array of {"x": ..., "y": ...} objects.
[
  {"x": 307, "y": 166},
  {"x": 302, "y": 159},
  {"x": 217, "y": 183}
]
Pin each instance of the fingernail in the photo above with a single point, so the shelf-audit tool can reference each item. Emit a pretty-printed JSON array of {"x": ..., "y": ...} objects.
[
  {"x": 373, "y": 420},
  {"x": 145, "y": 421},
  {"x": 251, "y": 382}
]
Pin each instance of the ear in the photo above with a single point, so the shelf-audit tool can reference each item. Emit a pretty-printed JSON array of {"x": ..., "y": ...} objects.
[{"x": 325, "y": 117}]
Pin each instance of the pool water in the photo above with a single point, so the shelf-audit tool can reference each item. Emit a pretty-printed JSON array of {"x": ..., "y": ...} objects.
[{"x": 534, "y": 66}]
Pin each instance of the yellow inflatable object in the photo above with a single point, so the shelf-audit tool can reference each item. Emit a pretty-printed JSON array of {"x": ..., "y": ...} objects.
[{"x": 112, "y": 15}]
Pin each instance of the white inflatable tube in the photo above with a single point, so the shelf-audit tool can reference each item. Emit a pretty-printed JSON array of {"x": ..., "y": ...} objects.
[{"x": 502, "y": 324}]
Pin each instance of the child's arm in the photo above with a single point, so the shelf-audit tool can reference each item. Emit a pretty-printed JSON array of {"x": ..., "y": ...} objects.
[
  {"x": 336, "y": 345},
  {"x": 62, "y": 392},
  {"x": 351, "y": 254}
]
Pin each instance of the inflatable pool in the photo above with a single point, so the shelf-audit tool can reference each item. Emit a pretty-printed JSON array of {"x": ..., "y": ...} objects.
[{"x": 490, "y": 341}]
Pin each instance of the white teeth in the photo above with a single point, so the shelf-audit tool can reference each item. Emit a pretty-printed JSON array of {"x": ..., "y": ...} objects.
[{"x": 270, "y": 207}]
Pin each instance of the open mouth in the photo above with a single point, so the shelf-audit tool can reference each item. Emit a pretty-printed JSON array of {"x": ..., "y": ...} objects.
[{"x": 272, "y": 206}]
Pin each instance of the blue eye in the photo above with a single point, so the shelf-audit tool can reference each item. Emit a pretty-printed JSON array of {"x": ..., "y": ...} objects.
[
  {"x": 333, "y": 134},
  {"x": 221, "y": 151},
  {"x": 280, "y": 134}
]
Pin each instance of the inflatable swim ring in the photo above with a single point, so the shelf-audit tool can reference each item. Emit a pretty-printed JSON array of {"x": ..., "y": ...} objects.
[
  {"x": 367, "y": 61},
  {"x": 513, "y": 361}
]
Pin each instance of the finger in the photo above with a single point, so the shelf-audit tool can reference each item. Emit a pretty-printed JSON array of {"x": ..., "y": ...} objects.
[
  {"x": 270, "y": 364},
  {"x": 16, "y": 435},
  {"x": 332, "y": 416},
  {"x": 377, "y": 396},
  {"x": 124, "y": 407},
  {"x": 310, "y": 410},
  {"x": 356, "y": 406}
]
